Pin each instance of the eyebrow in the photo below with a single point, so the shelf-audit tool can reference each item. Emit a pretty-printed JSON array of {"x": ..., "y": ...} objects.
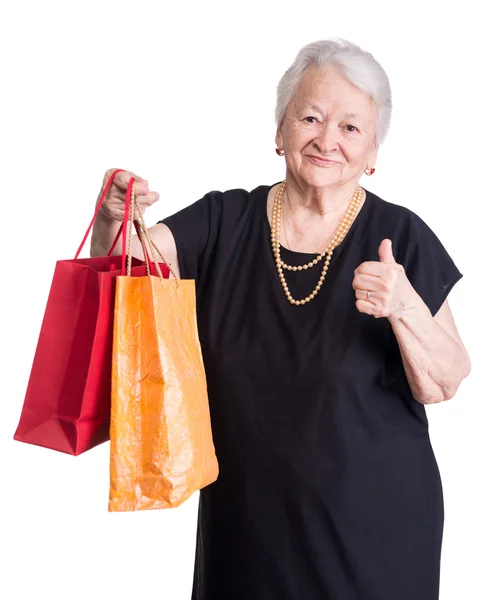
[{"x": 346, "y": 116}]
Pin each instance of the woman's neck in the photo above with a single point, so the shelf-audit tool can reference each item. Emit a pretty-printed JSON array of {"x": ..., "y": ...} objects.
[
  {"x": 309, "y": 220},
  {"x": 324, "y": 204}
]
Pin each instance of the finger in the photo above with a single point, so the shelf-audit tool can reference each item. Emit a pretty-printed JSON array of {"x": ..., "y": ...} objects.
[
  {"x": 375, "y": 268},
  {"x": 122, "y": 180},
  {"x": 107, "y": 176},
  {"x": 385, "y": 252},
  {"x": 366, "y": 295},
  {"x": 149, "y": 199},
  {"x": 120, "y": 195},
  {"x": 369, "y": 282},
  {"x": 117, "y": 215},
  {"x": 365, "y": 307}
]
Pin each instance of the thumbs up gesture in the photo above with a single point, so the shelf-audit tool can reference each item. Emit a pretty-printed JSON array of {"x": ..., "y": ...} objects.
[{"x": 382, "y": 287}]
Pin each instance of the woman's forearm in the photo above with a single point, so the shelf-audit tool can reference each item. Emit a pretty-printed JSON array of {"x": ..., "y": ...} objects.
[{"x": 434, "y": 362}]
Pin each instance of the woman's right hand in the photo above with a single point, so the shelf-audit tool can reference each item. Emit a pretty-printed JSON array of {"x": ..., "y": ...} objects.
[
  {"x": 113, "y": 209},
  {"x": 113, "y": 206}
]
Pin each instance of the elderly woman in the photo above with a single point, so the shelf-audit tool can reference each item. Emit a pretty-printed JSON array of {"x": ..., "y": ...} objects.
[{"x": 325, "y": 331}]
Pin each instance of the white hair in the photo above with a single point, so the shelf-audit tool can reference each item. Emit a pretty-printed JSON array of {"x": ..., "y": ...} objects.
[{"x": 359, "y": 67}]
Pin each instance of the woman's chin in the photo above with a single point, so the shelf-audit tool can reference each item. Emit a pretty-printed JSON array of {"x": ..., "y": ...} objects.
[{"x": 320, "y": 178}]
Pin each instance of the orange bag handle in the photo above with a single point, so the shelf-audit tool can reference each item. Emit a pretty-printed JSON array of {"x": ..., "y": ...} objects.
[
  {"x": 126, "y": 254},
  {"x": 143, "y": 235},
  {"x": 153, "y": 247}
]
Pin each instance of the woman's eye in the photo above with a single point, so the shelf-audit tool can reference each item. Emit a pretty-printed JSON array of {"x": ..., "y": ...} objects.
[
  {"x": 353, "y": 128},
  {"x": 310, "y": 119}
]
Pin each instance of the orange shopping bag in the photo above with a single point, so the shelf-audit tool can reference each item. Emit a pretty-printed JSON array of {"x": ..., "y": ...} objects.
[{"x": 161, "y": 448}]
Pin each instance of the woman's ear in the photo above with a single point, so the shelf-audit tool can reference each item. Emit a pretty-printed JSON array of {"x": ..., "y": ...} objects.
[
  {"x": 373, "y": 157},
  {"x": 279, "y": 139}
]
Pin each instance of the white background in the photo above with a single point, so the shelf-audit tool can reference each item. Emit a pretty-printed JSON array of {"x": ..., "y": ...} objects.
[{"x": 183, "y": 94}]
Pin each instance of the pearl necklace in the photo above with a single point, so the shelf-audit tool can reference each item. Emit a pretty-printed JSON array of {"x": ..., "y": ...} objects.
[{"x": 337, "y": 238}]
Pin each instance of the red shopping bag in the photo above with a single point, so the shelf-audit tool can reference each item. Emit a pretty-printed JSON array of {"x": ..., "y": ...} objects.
[{"x": 67, "y": 402}]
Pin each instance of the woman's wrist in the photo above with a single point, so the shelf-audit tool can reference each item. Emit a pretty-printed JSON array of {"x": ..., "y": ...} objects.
[{"x": 411, "y": 311}]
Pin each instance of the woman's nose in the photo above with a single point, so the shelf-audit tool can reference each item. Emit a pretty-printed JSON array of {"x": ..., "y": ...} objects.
[{"x": 327, "y": 139}]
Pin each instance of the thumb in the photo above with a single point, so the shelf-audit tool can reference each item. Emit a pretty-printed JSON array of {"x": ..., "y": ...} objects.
[{"x": 386, "y": 252}]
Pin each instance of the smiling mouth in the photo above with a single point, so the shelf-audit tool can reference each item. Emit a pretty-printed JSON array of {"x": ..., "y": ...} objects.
[{"x": 321, "y": 161}]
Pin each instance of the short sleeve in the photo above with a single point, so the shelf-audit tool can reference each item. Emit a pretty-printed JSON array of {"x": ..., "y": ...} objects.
[
  {"x": 428, "y": 265},
  {"x": 195, "y": 229},
  {"x": 208, "y": 231}
]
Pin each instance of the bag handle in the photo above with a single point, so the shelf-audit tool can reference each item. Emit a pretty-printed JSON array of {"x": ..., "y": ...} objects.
[
  {"x": 143, "y": 234},
  {"x": 100, "y": 202},
  {"x": 142, "y": 231},
  {"x": 128, "y": 218},
  {"x": 153, "y": 247}
]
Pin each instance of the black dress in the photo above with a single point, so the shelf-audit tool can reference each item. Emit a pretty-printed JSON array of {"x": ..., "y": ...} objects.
[{"x": 328, "y": 486}]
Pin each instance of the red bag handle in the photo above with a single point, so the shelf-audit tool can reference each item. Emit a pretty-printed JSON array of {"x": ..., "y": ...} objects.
[
  {"x": 123, "y": 227},
  {"x": 115, "y": 240},
  {"x": 100, "y": 202}
]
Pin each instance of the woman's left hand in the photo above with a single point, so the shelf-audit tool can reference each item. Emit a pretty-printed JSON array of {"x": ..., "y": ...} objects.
[{"x": 382, "y": 287}]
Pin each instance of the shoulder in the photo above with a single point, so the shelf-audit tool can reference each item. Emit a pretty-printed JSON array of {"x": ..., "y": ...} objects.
[
  {"x": 236, "y": 195},
  {"x": 407, "y": 230},
  {"x": 233, "y": 205},
  {"x": 215, "y": 204},
  {"x": 426, "y": 261},
  {"x": 216, "y": 213},
  {"x": 397, "y": 213},
  {"x": 211, "y": 224}
]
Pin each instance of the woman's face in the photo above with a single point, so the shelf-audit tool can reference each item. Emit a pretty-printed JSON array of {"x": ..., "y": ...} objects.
[{"x": 328, "y": 118}]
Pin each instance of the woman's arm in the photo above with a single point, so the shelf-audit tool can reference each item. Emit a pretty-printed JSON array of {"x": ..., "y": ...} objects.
[
  {"x": 434, "y": 357},
  {"x": 111, "y": 215},
  {"x": 105, "y": 230}
]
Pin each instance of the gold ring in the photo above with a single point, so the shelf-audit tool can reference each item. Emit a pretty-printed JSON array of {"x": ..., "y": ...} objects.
[{"x": 367, "y": 295}]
